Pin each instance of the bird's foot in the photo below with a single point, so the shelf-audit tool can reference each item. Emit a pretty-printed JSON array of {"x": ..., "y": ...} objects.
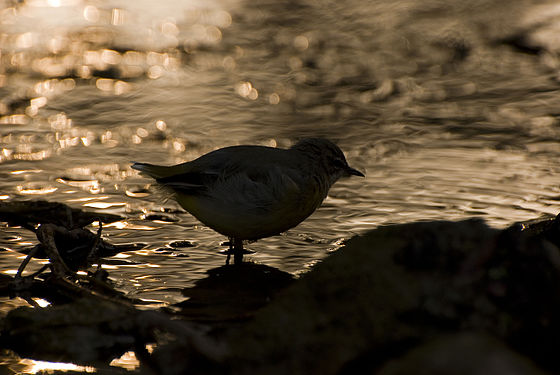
[{"x": 236, "y": 248}]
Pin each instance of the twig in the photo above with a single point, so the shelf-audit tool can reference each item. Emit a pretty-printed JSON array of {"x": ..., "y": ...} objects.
[
  {"x": 40, "y": 271},
  {"x": 25, "y": 263},
  {"x": 45, "y": 234},
  {"x": 30, "y": 301},
  {"x": 95, "y": 248}
]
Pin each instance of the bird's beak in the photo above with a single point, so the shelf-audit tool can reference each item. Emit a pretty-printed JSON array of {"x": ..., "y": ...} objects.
[{"x": 354, "y": 172}]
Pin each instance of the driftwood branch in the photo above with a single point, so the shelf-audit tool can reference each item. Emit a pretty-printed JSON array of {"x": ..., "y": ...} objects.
[{"x": 45, "y": 234}]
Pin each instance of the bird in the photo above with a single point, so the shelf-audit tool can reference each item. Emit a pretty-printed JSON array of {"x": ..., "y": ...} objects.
[{"x": 249, "y": 192}]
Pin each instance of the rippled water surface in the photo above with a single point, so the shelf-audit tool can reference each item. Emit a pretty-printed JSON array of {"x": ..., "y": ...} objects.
[{"x": 450, "y": 108}]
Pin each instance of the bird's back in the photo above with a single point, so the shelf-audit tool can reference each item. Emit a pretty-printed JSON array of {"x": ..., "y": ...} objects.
[{"x": 223, "y": 161}]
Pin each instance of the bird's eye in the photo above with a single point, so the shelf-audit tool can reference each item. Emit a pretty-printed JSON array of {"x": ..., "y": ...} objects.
[{"x": 339, "y": 163}]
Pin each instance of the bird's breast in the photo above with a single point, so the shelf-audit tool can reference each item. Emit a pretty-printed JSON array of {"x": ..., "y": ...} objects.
[{"x": 256, "y": 211}]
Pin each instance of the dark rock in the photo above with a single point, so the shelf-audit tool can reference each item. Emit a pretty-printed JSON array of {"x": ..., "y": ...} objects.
[
  {"x": 160, "y": 217},
  {"x": 83, "y": 332},
  {"x": 460, "y": 354},
  {"x": 394, "y": 288},
  {"x": 181, "y": 243}
]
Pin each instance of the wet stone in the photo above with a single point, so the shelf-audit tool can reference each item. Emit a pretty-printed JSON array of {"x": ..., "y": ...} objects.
[
  {"x": 160, "y": 217},
  {"x": 181, "y": 244},
  {"x": 163, "y": 250}
]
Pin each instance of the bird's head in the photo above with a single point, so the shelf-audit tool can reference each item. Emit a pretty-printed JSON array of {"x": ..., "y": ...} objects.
[{"x": 329, "y": 156}]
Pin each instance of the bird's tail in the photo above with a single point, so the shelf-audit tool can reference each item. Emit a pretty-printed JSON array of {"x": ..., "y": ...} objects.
[{"x": 151, "y": 170}]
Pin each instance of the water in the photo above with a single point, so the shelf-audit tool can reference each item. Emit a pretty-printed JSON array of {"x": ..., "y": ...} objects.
[{"x": 435, "y": 101}]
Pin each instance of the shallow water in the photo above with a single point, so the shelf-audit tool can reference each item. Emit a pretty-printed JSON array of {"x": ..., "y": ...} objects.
[{"x": 449, "y": 108}]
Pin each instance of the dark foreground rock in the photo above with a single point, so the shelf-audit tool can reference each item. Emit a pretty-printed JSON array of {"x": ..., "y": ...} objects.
[
  {"x": 393, "y": 290},
  {"x": 460, "y": 354},
  {"x": 420, "y": 298},
  {"x": 82, "y": 332}
]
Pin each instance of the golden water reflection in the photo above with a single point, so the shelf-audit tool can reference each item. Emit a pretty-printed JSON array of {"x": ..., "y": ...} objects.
[
  {"x": 87, "y": 87},
  {"x": 30, "y": 366},
  {"x": 30, "y": 190},
  {"x": 127, "y": 361}
]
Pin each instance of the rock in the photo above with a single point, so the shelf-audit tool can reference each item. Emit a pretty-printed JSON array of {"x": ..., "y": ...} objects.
[
  {"x": 82, "y": 332},
  {"x": 467, "y": 353},
  {"x": 394, "y": 288}
]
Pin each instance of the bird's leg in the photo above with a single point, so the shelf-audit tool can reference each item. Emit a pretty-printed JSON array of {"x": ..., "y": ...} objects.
[{"x": 237, "y": 251}]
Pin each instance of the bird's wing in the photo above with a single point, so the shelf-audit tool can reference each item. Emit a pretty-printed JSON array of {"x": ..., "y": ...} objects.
[
  {"x": 178, "y": 177},
  {"x": 254, "y": 173},
  {"x": 190, "y": 182},
  {"x": 260, "y": 188}
]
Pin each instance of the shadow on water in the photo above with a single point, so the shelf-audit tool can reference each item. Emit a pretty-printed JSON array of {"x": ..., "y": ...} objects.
[{"x": 232, "y": 293}]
